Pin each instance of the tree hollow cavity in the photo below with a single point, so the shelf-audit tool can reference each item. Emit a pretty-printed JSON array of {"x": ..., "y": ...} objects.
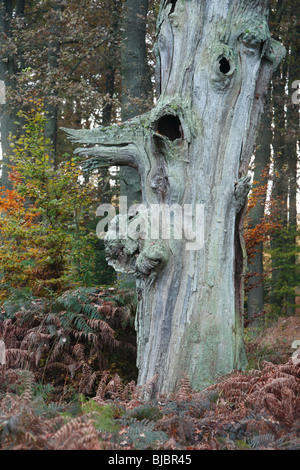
[
  {"x": 170, "y": 126},
  {"x": 173, "y": 2},
  {"x": 224, "y": 65}
]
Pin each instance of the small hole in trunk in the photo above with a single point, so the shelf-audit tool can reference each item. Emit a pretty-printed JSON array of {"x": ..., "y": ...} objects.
[
  {"x": 224, "y": 65},
  {"x": 170, "y": 126},
  {"x": 173, "y": 2}
]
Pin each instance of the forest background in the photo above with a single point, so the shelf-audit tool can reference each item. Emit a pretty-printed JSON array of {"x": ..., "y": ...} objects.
[{"x": 81, "y": 65}]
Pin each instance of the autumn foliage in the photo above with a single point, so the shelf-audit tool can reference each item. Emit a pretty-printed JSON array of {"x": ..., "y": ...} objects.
[
  {"x": 45, "y": 244},
  {"x": 270, "y": 223}
]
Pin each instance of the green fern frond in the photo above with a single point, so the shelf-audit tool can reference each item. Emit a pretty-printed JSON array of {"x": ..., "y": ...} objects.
[{"x": 142, "y": 434}]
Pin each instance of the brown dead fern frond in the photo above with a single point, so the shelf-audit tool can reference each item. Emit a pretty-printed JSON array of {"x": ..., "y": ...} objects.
[
  {"x": 130, "y": 391},
  {"x": 100, "y": 393},
  {"x": 28, "y": 382},
  {"x": 83, "y": 335},
  {"x": 78, "y": 351},
  {"x": 86, "y": 378},
  {"x": 77, "y": 434},
  {"x": 185, "y": 391},
  {"x": 145, "y": 391},
  {"x": 100, "y": 325},
  {"x": 115, "y": 388},
  {"x": 58, "y": 365},
  {"x": 9, "y": 334},
  {"x": 18, "y": 358},
  {"x": 274, "y": 391},
  {"x": 91, "y": 382},
  {"x": 28, "y": 441}
]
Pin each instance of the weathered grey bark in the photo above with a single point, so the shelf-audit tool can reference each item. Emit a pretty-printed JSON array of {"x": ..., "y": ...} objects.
[{"x": 214, "y": 62}]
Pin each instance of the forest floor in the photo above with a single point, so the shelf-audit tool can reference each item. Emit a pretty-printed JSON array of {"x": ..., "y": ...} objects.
[
  {"x": 285, "y": 331},
  {"x": 255, "y": 409},
  {"x": 274, "y": 342}
]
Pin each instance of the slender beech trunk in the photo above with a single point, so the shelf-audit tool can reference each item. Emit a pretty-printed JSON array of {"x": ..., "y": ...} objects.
[
  {"x": 51, "y": 105},
  {"x": 10, "y": 64},
  {"x": 280, "y": 185},
  {"x": 111, "y": 63},
  {"x": 214, "y": 63},
  {"x": 292, "y": 151},
  {"x": 255, "y": 301},
  {"x": 293, "y": 265},
  {"x": 136, "y": 84}
]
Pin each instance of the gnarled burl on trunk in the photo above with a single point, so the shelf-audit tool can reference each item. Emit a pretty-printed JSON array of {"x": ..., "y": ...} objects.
[{"x": 215, "y": 59}]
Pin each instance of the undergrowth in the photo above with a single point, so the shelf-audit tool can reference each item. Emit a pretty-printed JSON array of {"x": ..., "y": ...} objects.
[
  {"x": 58, "y": 391},
  {"x": 71, "y": 339},
  {"x": 254, "y": 410}
]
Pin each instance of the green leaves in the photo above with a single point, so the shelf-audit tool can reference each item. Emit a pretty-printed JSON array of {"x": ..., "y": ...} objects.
[
  {"x": 45, "y": 242},
  {"x": 284, "y": 249}
]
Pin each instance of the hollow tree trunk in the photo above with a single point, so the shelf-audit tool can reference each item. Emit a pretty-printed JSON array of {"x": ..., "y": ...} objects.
[{"x": 214, "y": 61}]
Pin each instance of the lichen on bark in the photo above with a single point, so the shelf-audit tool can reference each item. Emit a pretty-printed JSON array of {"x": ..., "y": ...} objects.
[{"x": 135, "y": 252}]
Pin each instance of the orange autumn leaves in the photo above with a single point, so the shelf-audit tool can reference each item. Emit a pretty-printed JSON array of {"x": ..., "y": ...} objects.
[
  {"x": 18, "y": 251},
  {"x": 270, "y": 222},
  {"x": 43, "y": 240}
]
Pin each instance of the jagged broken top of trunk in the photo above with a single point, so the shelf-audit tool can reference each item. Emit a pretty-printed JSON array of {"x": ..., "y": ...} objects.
[
  {"x": 185, "y": 69},
  {"x": 214, "y": 62}
]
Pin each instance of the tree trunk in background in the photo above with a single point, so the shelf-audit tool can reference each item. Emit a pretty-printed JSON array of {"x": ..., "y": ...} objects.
[
  {"x": 280, "y": 181},
  {"x": 292, "y": 160},
  {"x": 214, "y": 63},
  {"x": 293, "y": 123},
  {"x": 136, "y": 85},
  {"x": 110, "y": 62},
  {"x": 51, "y": 105},
  {"x": 284, "y": 20},
  {"x": 291, "y": 149},
  {"x": 110, "y": 72},
  {"x": 255, "y": 302},
  {"x": 9, "y": 65}
]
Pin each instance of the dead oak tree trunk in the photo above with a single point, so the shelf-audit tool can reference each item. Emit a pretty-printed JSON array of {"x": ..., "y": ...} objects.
[{"x": 214, "y": 62}]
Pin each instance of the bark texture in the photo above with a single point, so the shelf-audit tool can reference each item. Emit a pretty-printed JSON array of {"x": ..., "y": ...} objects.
[
  {"x": 214, "y": 62},
  {"x": 10, "y": 64}
]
